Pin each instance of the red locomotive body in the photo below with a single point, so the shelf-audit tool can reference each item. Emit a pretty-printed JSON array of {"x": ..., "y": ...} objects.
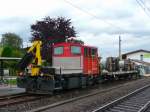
[{"x": 75, "y": 58}]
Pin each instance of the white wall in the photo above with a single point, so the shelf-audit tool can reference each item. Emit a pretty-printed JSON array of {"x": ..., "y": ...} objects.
[{"x": 138, "y": 56}]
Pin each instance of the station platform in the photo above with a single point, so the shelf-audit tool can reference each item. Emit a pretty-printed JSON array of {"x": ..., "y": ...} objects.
[
  {"x": 148, "y": 75},
  {"x": 6, "y": 90}
]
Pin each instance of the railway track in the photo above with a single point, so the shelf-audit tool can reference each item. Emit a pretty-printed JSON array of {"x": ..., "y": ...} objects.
[
  {"x": 50, "y": 102},
  {"x": 2, "y": 98},
  {"x": 147, "y": 107},
  {"x": 57, "y": 104},
  {"x": 10, "y": 100},
  {"x": 18, "y": 98},
  {"x": 137, "y": 101}
]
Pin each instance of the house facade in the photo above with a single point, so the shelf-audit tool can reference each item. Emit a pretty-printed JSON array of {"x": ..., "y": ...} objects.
[{"x": 141, "y": 55}]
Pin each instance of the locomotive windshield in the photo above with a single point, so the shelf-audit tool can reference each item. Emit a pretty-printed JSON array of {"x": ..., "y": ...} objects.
[
  {"x": 58, "y": 50},
  {"x": 75, "y": 50}
]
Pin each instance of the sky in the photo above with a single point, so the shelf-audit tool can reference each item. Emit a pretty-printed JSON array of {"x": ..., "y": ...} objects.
[{"x": 97, "y": 22}]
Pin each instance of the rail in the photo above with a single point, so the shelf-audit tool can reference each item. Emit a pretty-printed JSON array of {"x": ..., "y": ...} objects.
[{"x": 115, "y": 103}]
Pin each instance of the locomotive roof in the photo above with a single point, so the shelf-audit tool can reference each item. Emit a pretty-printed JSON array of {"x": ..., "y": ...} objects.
[{"x": 72, "y": 43}]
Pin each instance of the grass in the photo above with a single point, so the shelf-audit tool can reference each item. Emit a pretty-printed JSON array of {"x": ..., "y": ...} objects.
[{"x": 12, "y": 81}]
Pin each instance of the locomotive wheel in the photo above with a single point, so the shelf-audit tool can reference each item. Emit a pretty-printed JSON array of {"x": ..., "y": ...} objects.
[
  {"x": 27, "y": 90},
  {"x": 90, "y": 82},
  {"x": 116, "y": 78},
  {"x": 129, "y": 77}
]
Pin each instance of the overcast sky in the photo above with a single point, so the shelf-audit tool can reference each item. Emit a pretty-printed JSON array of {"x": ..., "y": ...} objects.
[{"x": 97, "y": 22}]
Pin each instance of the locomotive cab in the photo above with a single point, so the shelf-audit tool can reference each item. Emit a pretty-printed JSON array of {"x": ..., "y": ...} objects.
[
  {"x": 68, "y": 57},
  {"x": 76, "y": 63},
  {"x": 74, "y": 58}
]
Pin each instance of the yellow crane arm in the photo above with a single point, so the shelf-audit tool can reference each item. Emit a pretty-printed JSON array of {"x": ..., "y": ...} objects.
[{"x": 36, "y": 50}]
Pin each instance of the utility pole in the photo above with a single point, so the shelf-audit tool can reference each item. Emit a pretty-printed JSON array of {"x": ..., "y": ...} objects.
[{"x": 120, "y": 57}]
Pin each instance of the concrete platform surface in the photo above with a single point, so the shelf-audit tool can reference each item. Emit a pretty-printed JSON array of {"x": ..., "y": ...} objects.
[
  {"x": 10, "y": 90},
  {"x": 147, "y": 75}
]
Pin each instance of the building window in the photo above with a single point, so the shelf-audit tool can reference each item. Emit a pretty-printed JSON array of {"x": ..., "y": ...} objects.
[
  {"x": 58, "y": 50},
  {"x": 75, "y": 49}
]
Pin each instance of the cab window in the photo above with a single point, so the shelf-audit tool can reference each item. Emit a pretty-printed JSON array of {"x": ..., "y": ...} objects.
[
  {"x": 75, "y": 50},
  {"x": 58, "y": 50},
  {"x": 89, "y": 52},
  {"x": 93, "y": 52},
  {"x": 85, "y": 51}
]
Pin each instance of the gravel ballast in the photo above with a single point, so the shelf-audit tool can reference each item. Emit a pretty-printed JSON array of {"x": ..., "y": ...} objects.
[
  {"x": 83, "y": 105},
  {"x": 91, "y": 103}
]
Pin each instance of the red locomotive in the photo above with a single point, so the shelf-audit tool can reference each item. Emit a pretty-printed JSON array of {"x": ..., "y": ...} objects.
[{"x": 74, "y": 65}]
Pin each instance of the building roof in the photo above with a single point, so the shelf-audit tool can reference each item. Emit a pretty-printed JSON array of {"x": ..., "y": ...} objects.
[
  {"x": 136, "y": 51},
  {"x": 9, "y": 58},
  {"x": 142, "y": 62}
]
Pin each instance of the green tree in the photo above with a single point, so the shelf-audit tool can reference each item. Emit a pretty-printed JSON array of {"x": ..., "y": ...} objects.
[
  {"x": 7, "y": 51},
  {"x": 51, "y": 30},
  {"x": 11, "y": 39},
  {"x": 11, "y": 47}
]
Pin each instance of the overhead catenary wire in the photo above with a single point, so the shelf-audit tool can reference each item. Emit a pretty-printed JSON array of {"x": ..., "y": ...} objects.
[
  {"x": 142, "y": 5},
  {"x": 94, "y": 16},
  {"x": 98, "y": 18},
  {"x": 148, "y": 9}
]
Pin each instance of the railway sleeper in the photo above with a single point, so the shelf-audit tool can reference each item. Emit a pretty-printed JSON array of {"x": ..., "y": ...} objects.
[
  {"x": 130, "y": 106},
  {"x": 133, "y": 105},
  {"x": 135, "y": 102},
  {"x": 123, "y": 109}
]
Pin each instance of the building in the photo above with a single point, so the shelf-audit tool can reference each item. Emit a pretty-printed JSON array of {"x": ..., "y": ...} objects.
[{"x": 141, "y": 55}]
